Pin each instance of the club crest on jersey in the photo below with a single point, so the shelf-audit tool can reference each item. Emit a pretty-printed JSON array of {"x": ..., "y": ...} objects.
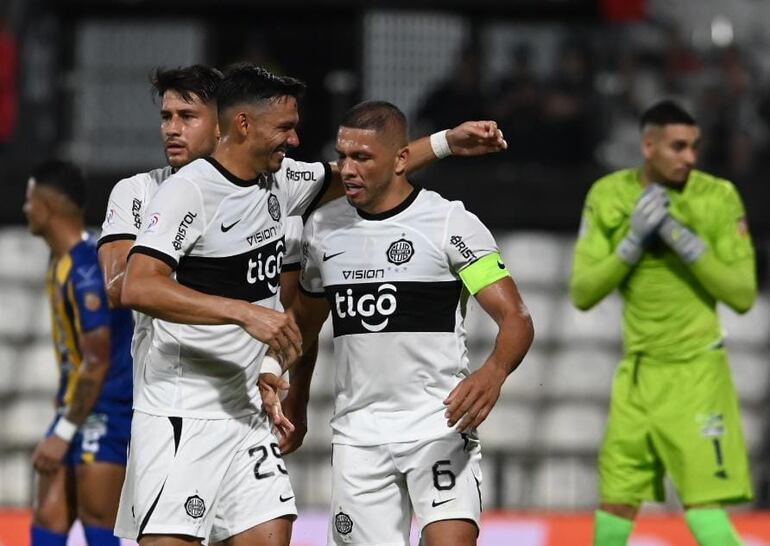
[
  {"x": 195, "y": 507},
  {"x": 274, "y": 207},
  {"x": 342, "y": 523},
  {"x": 399, "y": 252}
]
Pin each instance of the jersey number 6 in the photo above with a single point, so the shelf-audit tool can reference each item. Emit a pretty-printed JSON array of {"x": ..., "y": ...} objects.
[{"x": 447, "y": 476}]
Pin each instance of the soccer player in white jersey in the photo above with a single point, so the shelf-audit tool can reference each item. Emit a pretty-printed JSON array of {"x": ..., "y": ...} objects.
[
  {"x": 203, "y": 461},
  {"x": 189, "y": 130},
  {"x": 395, "y": 265}
]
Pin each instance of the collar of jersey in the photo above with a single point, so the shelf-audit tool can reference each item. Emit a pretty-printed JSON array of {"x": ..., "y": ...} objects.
[
  {"x": 401, "y": 207},
  {"x": 230, "y": 176}
]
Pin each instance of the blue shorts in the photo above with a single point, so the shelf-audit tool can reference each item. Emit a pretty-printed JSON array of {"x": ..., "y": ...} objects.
[{"x": 103, "y": 438}]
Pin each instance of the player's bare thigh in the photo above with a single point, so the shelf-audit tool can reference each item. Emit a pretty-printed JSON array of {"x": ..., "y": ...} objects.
[
  {"x": 98, "y": 492},
  {"x": 450, "y": 532},
  {"x": 55, "y": 500},
  {"x": 276, "y": 532}
]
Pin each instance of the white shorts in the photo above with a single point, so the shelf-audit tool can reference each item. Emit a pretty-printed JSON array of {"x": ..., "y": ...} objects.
[
  {"x": 375, "y": 488},
  {"x": 204, "y": 478}
]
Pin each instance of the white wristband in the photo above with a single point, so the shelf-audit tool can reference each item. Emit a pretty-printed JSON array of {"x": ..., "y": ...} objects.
[
  {"x": 271, "y": 365},
  {"x": 440, "y": 144},
  {"x": 65, "y": 429}
]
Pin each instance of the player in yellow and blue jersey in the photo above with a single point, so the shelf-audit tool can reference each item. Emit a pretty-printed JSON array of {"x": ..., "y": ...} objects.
[{"x": 81, "y": 461}]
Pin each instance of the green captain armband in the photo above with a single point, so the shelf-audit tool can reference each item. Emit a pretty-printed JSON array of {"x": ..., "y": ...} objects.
[{"x": 483, "y": 272}]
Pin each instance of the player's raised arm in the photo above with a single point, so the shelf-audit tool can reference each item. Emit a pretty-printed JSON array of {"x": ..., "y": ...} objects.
[
  {"x": 725, "y": 266},
  {"x": 471, "y": 138}
]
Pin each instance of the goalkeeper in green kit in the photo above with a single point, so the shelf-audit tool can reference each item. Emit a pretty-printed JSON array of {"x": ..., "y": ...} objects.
[{"x": 674, "y": 241}]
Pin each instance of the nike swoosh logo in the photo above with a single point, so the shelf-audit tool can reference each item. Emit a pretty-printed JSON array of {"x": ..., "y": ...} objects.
[
  {"x": 225, "y": 229},
  {"x": 287, "y": 499},
  {"x": 330, "y": 256},
  {"x": 500, "y": 264},
  {"x": 434, "y": 504}
]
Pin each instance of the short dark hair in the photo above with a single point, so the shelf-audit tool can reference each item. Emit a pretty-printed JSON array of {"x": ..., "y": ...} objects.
[
  {"x": 665, "y": 112},
  {"x": 197, "y": 79},
  {"x": 377, "y": 115},
  {"x": 64, "y": 177},
  {"x": 247, "y": 82}
]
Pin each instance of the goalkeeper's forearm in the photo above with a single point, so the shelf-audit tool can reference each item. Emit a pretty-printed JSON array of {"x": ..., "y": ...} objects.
[
  {"x": 734, "y": 284},
  {"x": 591, "y": 282}
]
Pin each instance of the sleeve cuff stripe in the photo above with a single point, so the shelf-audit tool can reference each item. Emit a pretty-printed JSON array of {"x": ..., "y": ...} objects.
[
  {"x": 115, "y": 237},
  {"x": 311, "y": 294},
  {"x": 290, "y": 267},
  {"x": 157, "y": 254}
]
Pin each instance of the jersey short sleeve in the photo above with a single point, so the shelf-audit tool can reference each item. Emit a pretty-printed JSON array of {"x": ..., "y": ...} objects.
[
  {"x": 87, "y": 294},
  {"x": 175, "y": 221},
  {"x": 293, "y": 255},
  {"x": 305, "y": 184},
  {"x": 733, "y": 240},
  {"x": 472, "y": 251},
  {"x": 124, "y": 212},
  {"x": 310, "y": 280}
]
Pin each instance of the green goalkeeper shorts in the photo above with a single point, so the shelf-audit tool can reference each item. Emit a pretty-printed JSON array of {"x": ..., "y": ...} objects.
[{"x": 680, "y": 419}]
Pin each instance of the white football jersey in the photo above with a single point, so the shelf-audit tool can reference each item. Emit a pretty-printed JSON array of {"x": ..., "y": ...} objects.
[
  {"x": 126, "y": 210},
  {"x": 397, "y": 303},
  {"x": 222, "y": 236},
  {"x": 293, "y": 255}
]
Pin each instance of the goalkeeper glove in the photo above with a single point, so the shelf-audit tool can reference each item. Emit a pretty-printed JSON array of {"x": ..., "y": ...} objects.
[
  {"x": 649, "y": 213},
  {"x": 681, "y": 240}
]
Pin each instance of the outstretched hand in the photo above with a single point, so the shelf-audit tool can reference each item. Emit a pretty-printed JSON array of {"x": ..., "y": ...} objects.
[
  {"x": 476, "y": 138},
  {"x": 270, "y": 387}
]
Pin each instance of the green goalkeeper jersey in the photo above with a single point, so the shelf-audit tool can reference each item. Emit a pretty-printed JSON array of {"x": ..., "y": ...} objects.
[{"x": 668, "y": 314}]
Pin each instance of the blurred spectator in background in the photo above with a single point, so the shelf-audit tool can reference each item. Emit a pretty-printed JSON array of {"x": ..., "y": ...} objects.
[
  {"x": 517, "y": 106},
  {"x": 456, "y": 99},
  {"x": 8, "y": 83},
  {"x": 729, "y": 106},
  {"x": 257, "y": 52},
  {"x": 569, "y": 118}
]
